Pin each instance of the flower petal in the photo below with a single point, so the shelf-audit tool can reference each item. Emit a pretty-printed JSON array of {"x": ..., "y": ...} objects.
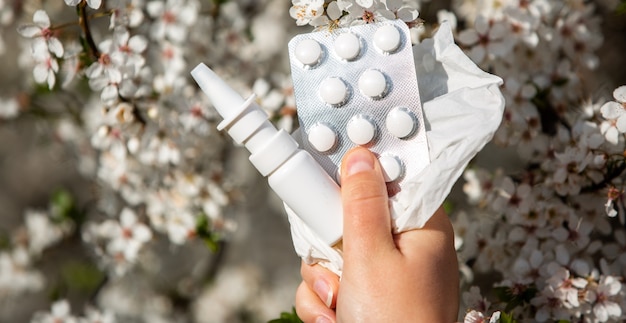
[
  {"x": 365, "y": 3},
  {"x": 393, "y": 5},
  {"x": 620, "y": 94},
  {"x": 155, "y": 8},
  {"x": 40, "y": 73},
  {"x": 468, "y": 37},
  {"x": 121, "y": 36},
  {"x": 498, "y": 31},
  {"x": 481, "y": 25},
  {"x": 109, "y": 93},
  {"x": 41, "y": 19},
  {"x": 621, "y": 123},
  {"x": 477, "y": 54},
  {"x": 138, "y": 43},
  {"x": 611, "y": 110},
  {"x": 29, "y": 31},
  {"x": 128, "y": 217},
  {"x": 94, "y": 4},
  {"x": 55, "y": 46},
  {"x": 333, "y": 11},
  {"x": 98, "y": 83},
  {"x": 72, "y": 3},
  {"x": 407, "y": 14},
  {"x": 51, "y": 80}
]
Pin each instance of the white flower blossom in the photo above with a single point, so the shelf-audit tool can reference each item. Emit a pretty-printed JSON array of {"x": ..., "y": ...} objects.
[
  {"x": 173, "y": 18},
  {"x": 566, "y": 288},
  {"x": 126, "y": 13},
  {"x": 486, "y": 40},
  {"x": 7, "y": 16},
  {"x": 474, "y": 316},
  {"x": 604, "y": 299},
  {"x": 615, "y": 114},
  {"x": 93, "y": 4},
  {"x": 46, "y": 66},
  {"x": 304, "y": 11},
  {"x": 41, "y": 31},
  {"x": 42, "y": 232},
  {"x": 129, "y": 237},
  {"x": 17, "y": 275},
  {"x": 60, "y": 311},
  {"x": 400, "y": 10},
  {"x": 93, "y": 315},
  {"x": 9, "y": 108}
]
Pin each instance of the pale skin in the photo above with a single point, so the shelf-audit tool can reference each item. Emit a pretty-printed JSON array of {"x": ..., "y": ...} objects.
[{"x": 406, "y": 277}]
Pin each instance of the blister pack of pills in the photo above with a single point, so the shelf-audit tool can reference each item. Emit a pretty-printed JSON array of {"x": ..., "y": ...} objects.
[{"x": 358, "y": 86}]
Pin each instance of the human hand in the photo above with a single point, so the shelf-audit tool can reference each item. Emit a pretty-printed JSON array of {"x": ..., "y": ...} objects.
[{"x": 407, "y": 277}]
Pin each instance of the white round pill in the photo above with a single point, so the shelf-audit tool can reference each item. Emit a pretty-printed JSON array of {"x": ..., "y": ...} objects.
[
  {"x": 391, "y": 166},
  {"x": 373, "y": 83},
  {"x": 333, "y": 91},
  {"x": 400, "y": 122},
  {"x": 387, "y": 38},
  {"x": 361, "y": 130},
  {"x": 347, "y": 46},
  {"x": 308, "y": 52},
  {"x": 322, "y": 137}
]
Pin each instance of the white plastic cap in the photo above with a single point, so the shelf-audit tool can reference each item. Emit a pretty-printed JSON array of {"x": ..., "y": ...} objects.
[{"x": 224, "y": 98}]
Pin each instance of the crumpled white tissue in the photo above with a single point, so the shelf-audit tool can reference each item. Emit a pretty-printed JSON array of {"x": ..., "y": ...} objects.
[{"x": 462, "y": 108}]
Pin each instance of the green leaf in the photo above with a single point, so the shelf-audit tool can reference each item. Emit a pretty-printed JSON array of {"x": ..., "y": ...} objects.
[
  {"x": 63, "y": 202},
  {"x": 621, "y": 8},
  {"x": 516, "y": 296},
  {"x": 448, "y": 206},
  {"x": 506, "y": 318},
  {"x": 42, "y": 89},
  {"x": 64, "y": 207},
  {"x": 5, "y": 241},
  {"x": 81, "y": 276},
  {"x": 287, "y": 317},
  {"x": 211, "y": 239}
]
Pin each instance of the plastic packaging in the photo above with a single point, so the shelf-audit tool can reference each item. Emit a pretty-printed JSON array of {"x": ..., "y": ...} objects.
[
  {"x": 364, "y": 88},
  {"x": 462, "y": 108}
]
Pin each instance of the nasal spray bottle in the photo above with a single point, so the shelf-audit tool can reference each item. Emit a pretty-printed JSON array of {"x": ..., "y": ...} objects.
[{"x": 291, "y": 172}]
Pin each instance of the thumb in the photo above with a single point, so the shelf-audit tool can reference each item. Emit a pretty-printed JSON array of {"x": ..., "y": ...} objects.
[{"x": 367, "y": 221}]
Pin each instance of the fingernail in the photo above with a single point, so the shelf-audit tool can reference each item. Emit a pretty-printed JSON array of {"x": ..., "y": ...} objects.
[
  {"x": 358, "y": 161},
  {"x": 322, "y": 319},
  {"x": 324, "y": 291}
]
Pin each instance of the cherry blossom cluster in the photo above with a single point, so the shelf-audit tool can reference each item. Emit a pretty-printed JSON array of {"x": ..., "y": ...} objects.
[
  {"x": 41, "y": 230},
  {"x": 142, "y": 131},
  {"x": 114, "y": 76},
  {"x": 342, "y": 13},
  {"x": 60, "y": 311},
  {"x": 552, "y": 227},
  {"x": 549, "y": 225},
  {"x": 9, "y": 107}
]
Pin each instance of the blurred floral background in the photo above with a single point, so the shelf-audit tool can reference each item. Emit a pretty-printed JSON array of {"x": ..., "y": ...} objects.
[{"x": 120, "y": 202}]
